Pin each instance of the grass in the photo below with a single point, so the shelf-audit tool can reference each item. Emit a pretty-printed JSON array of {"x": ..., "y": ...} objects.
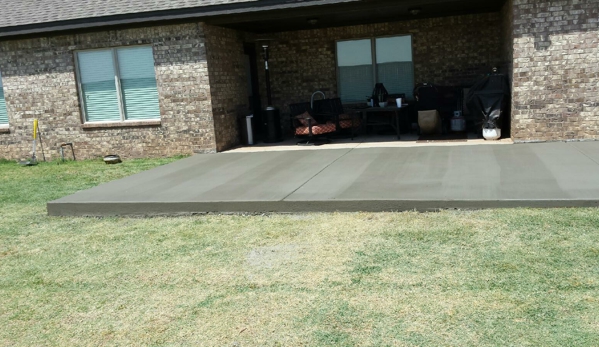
[{"x": 487, "y": 278}]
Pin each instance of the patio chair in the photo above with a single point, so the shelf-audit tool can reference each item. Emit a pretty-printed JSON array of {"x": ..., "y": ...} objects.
[
  {"x": 306, "y": 126},
  {"x": 332, "y": 109}
]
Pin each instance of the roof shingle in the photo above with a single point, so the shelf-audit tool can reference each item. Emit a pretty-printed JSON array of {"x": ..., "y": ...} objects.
[{"x": 29, "y": 12}]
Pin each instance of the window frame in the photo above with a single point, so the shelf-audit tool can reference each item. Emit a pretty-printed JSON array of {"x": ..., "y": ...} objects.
[
  {"x": 117, "y": 76},
  {"x": 373, "y": 54}
]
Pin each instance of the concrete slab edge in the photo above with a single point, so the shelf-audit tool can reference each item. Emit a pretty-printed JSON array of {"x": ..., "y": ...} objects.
[{"x": 106, "y": 209}]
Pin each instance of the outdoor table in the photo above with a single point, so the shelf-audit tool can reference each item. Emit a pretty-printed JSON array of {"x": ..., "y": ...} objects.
[{"x": 393, "y": 119}]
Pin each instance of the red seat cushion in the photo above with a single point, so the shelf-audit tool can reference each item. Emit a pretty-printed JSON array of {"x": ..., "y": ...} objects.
[
  {"x": 303, "y": 118},
  {"x": 319, "y": 129},
  {"x": 347, "y": 123}
]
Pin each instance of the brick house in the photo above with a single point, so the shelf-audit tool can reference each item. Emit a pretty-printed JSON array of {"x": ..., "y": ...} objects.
[{"x": 152, "y": 78}]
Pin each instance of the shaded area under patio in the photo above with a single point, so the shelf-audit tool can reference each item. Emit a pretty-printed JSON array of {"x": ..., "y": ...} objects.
[{"x": 353, "y": 179}]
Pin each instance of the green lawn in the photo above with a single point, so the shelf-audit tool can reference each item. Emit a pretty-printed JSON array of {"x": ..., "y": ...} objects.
[{"x": 487, "y": 278}]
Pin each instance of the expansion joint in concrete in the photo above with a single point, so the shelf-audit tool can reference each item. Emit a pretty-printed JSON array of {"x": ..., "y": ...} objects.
[{"x": 318, "y": 173}]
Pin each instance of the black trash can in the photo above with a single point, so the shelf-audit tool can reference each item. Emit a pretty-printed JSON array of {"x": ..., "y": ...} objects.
[{"x": 272, "y": 125}]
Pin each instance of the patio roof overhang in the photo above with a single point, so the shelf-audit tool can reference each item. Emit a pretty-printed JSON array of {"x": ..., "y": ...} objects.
[
  {"x": 266, "y": 16},
  {"x": 351, "y": 13},
  {"x": 183, "y": 14}
]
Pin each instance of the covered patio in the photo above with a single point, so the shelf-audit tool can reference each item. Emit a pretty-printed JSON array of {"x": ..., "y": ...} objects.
[{"x": 343, "y": 49}]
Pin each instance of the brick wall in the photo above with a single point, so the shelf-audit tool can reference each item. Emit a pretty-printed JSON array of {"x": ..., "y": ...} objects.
[
  {"x": 228, "y": 83},
  {"x": 507, "y": 65},
  {"x": 446, "y": 51},
  {"x": 202, "y": 80},
  {"x": 39, "y": 82},
  {"x": 556, "y": 70},
  {"x": 507, "y": 38}
]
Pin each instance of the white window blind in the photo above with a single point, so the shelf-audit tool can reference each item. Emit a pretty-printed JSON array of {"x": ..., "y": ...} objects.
[
  {"x": 138, "y": 83},
  {"x": 3, "y": 112},
  {"x": 354, "y": 61},
  {"x": 118, "y": 84},
  {"x": 394, "y": 65},
  {"x": 98, "y": 86},
  {"x": 360, "y": 68}
]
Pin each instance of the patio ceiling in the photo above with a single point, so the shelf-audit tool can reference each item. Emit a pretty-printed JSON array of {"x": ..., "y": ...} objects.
[{"x": 352, "y": 13}]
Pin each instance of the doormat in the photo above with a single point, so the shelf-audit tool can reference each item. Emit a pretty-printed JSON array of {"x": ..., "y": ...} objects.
[{"x": 452, "y": 137}]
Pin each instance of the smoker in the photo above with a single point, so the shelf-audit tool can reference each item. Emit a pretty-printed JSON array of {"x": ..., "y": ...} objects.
[
  {"x": 489, "y": 99},
  {"x": 270, "y": 115}
]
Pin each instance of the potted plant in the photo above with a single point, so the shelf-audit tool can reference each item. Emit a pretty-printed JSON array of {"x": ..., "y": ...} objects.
[
  {"x": 491, "y": 130},
  {"x": 489, "y": 98}
]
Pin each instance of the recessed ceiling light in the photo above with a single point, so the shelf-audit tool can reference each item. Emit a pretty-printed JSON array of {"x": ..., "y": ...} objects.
[{"x": 415, "y": 11}]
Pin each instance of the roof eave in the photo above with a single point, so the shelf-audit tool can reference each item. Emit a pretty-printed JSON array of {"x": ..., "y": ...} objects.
[{"x": 198, "y": 13}]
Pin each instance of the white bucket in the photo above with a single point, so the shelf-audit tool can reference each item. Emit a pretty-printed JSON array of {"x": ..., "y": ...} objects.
[{"x": 399, "y": 102}]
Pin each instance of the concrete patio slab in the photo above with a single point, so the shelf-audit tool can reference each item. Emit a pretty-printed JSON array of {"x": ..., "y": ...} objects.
[
  {"x": 589, "y": 149},
  {"x": 353, "y": 179}
]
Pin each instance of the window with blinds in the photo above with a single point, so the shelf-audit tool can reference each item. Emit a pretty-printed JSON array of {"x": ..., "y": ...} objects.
[
  {"x": 354, "y": 64},
  {"x": 118, "y": 84},
  {"x": 3, "y": 112},
  {"x": 363, "y": 63}
]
